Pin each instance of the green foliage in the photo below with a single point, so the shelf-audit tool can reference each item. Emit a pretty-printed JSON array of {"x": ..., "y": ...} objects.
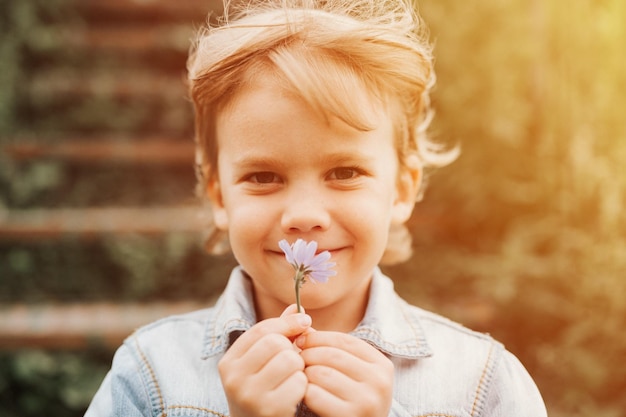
[
  {"x": 23, "y": 184},
  {"x": 35, "y": 383},
  {"x": 22, "y": 29},
  {"x": 120, "y": 268},
  {"x": 15, "y": 21},
  {"x": 529, "y": 90}
]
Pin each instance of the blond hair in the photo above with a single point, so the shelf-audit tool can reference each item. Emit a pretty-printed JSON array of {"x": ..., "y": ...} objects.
[{"x": 322, "y": 51}]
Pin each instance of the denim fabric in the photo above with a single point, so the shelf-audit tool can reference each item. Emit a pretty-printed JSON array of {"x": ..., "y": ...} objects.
[{"x": 169, "y": 368}]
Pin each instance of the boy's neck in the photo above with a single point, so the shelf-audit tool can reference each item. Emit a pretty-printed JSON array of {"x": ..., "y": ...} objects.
[{"x": 343, "y": 316}]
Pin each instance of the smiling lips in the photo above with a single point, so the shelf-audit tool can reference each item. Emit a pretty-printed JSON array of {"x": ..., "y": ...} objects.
[{"x": 332, "y": 251}]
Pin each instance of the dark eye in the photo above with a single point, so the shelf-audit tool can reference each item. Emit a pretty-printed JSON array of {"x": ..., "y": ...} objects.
[
  {"x": 344, "y": 173},
  {"x": 263, "y": 178}
]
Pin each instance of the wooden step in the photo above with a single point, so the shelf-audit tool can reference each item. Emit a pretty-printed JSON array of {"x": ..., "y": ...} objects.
[
  {"x": 151, "y": 150},
  {"x": 94, "y": 41},
  {"x": 132, "y": 101},
  {"x": 93, "y": 222},
  {"x": 81, "y": 325},
  {"x": 69, "y": 84},
  {"x": 150, "y": 11}
]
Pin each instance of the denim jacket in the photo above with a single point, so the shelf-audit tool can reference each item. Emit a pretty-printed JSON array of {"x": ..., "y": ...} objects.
[{"x": 169, "y": 368}]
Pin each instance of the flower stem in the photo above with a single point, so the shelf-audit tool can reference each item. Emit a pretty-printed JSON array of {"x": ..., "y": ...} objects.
[{"x": 298, "y": 281}]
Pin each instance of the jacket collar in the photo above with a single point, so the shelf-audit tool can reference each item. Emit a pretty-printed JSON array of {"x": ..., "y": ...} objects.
[
  {"x": 233, "y": 314},
  {"x": 387, "y": 324}
]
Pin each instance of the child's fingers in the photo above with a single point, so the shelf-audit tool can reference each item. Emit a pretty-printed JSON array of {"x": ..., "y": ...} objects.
[
  {"x": 341, "y": 341},
  {"x": 337, "y": 360},
  {"x": 264, "y": 384},
  {"x": 265, "y": 366},
  {"x": 342, "y": 371},
  {"x": 319, "y": 400},
  {"x": 294, "y": 387},
  {"x": 262, "y": 370},
  {"x": 347, "y": 376},
  {"x": 332, "y": 381},
  {"x": 331, "y": 393},
  {"x": 279, "y": 368},
  {"x": 290, "y": 325},
  {"x": 260, "y": 354}
]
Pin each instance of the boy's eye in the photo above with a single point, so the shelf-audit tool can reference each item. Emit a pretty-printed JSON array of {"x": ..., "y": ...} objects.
[
  {"x": 263, "y": 178},
  {"x": 346, "y": 173}
]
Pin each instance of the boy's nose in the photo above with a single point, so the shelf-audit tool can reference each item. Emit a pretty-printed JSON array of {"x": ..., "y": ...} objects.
[{"x": 304, "y": 212}]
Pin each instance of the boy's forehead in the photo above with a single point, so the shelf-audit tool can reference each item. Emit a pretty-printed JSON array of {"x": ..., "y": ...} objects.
[
  {"x": 266, "y": 85},
  {"x": 266, "y": 101},
  {"x": 266, "y": 126}
]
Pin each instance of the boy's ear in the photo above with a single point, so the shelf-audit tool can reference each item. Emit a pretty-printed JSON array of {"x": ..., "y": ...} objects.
[
  {"x": 409, "y": 182},
  {"x": 214, "y": 194}
]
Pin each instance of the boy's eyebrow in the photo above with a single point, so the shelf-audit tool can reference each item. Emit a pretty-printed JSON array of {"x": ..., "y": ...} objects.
[
  {"x": 349, "y": 158},
  {"x": 248, "y": 161},
  {"x": 340, "y": 158}
]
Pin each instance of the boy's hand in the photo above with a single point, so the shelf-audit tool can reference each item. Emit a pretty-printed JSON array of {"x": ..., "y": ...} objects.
[
  {"x": 262, "y": 372},
  {"x": 347, "y": 376}
]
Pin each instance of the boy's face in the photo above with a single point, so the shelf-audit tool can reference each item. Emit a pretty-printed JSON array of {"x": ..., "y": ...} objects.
[{"x": 284, "y": 172}]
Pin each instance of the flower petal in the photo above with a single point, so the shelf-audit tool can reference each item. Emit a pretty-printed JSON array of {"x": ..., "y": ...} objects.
[
  {"x": 303, "y": 252},
  {"x": 287, "y": 249},
  {"x": 321, "y": 276},
  {"x": 319, "y": 259},
  {"x": 299, "y": 251},
  {"x": 309, "y": 256}
]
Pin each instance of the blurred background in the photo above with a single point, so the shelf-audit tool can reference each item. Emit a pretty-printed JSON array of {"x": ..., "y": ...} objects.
[{"x": 522, "y": 237}]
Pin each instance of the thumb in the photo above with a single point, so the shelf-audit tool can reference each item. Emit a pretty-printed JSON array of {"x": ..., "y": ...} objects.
[
  {"x": 292, "y": 309},
  {"x": 297, "y": 320}
]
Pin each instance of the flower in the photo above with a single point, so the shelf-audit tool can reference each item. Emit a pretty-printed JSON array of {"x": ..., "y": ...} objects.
[{"x": 301, "y": 255}]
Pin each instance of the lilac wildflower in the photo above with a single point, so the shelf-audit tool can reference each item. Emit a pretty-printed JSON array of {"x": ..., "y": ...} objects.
[{"x": 301, "y": 255}]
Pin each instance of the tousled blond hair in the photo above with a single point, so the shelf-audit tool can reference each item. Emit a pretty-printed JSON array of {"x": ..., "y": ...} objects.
[{"x": 322, "y": 51}]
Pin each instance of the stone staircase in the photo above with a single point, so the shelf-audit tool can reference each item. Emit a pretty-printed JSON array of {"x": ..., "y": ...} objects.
[{"x": 102, "y": 157}]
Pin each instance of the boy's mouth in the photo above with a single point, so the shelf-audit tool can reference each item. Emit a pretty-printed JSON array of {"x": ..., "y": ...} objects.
[{"x": 331, "y": 251}]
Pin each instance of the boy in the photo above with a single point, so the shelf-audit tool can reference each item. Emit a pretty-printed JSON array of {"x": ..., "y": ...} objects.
[{"x": 310, "y": 122}]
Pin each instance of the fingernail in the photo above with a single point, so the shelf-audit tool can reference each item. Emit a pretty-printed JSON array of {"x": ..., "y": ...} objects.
[
  {"x": 304, "y": 320},
  {"x": 300, "y": 341}
]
